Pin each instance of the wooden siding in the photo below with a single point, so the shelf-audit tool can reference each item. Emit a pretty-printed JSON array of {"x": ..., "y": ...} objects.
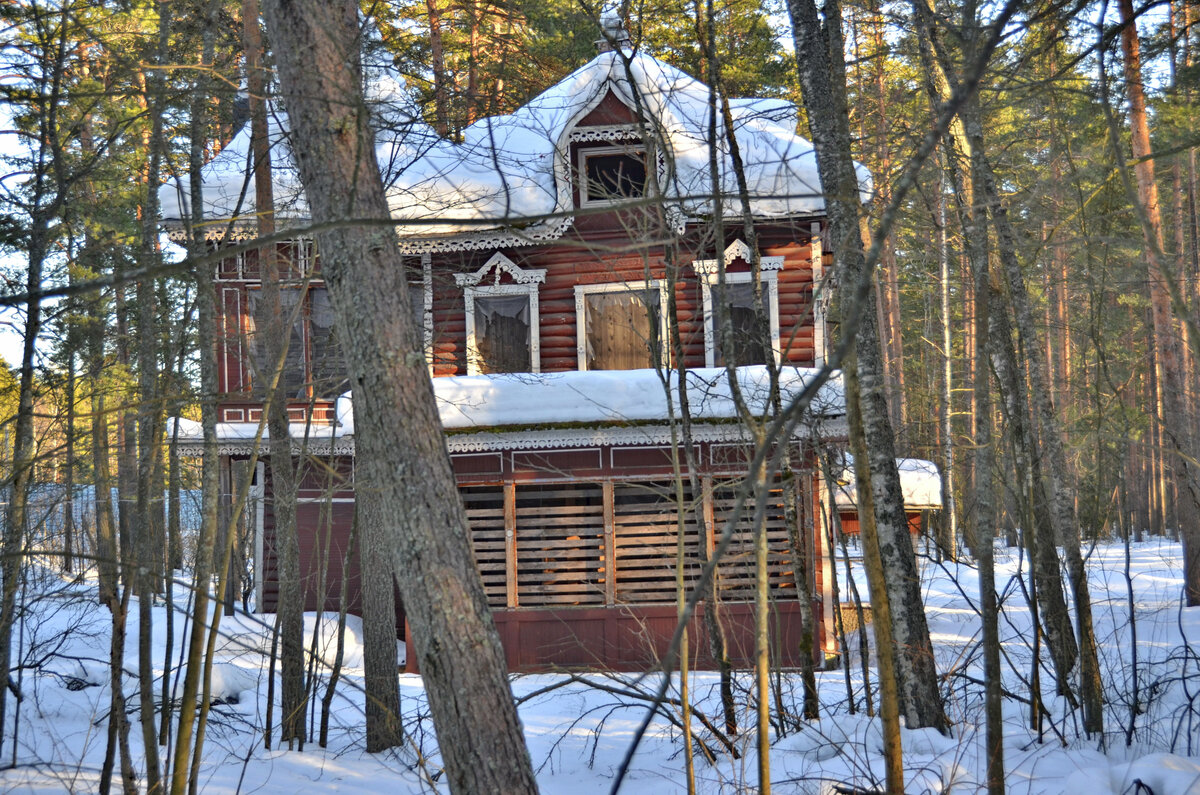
[
  {"x": 599, "y": 261},
  {"x": 589, "y": 255},
  {"x": 579, "y": 567}
]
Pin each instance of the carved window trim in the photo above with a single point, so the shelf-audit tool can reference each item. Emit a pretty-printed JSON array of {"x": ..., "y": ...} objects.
[
  {"x": 709, "y": 271},
  {"x": 525, "y": 282}
]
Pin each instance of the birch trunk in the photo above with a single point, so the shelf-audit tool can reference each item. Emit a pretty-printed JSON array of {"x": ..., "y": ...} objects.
[{"x": 822, "y": 76}]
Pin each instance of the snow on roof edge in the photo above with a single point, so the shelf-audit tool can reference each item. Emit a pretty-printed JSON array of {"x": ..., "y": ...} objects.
[{"x": 598, "y": 397}]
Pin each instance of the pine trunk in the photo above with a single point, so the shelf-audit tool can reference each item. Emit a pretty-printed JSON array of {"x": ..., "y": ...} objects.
[{"x": 403, "y": 452}]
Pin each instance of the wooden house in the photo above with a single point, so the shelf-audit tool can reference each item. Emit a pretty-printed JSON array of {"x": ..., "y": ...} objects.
[{"x": 566, "y": 261}]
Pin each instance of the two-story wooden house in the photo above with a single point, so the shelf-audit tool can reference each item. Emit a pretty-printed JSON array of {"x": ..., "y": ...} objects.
[{"x": 567, "y": 260}]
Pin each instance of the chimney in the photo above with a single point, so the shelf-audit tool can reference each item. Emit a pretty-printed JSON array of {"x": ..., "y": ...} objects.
[{"x": 613, "y": 32}]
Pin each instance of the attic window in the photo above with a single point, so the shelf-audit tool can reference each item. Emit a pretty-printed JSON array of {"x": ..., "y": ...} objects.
[{"x": 611, "y": 173}]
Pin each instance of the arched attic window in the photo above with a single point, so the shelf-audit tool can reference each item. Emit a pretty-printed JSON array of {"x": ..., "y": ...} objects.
[
  {"x": 611, "y": 164},
  {"x": 502, "y": 318},
  {"x": 739, "y": 307}
]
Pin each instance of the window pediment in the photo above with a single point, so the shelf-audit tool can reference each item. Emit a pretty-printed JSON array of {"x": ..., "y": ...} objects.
[
  {"x": 737, "y": 250},
  {"x": 500, "y": 265}
]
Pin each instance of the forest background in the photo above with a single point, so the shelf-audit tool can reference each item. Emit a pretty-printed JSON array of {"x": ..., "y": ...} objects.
[{"x": 1089, "y": 116}]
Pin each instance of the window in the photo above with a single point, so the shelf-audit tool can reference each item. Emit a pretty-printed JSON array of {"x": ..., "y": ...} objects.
[
  {"x": 501, "y": 334},
  {"x": 611, "y": 173},
  {"x": 502, "y": 319},
  {"x": 747, "y": 344},
  {"x": 746, "y": 339},
  {"x": 314, "y": 365},
  {"x": 620, "y": 326}
]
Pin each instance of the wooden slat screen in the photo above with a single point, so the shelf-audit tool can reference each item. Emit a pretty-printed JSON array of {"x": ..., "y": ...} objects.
[
  {"x": 560, "y": 545},
  {"x": 736, "y": 570},
  {"x": 646, "y": 537},
  {"x": 485, "y": 516}
]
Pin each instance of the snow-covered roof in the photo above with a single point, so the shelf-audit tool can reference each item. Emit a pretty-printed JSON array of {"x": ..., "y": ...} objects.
[
  {"x": 510, "y": 172},
  {"x": 516, "y": 168},
  {"x": 228, "y": 187},
  {"x": 919, "y": 480},
  {"x": 597, "y": 397}
]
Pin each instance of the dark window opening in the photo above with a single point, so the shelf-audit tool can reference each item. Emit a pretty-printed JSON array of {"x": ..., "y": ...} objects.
[
  {"x": 746, "y": 321},
  {"x": 611, "y": 175}
]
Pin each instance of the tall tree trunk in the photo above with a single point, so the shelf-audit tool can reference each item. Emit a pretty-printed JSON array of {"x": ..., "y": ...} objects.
[
  {"x": 206, "y": 328},
  {"x": 384, "y": 729},
  {"x": 885, "y": 645},
  {"x": 441, "y": 80},
  {"x": 68, "y": 560},
  {"x": 822, "y": 77},
  {"x": 1176, "y": 425},
  {"x": 890, "y": 325},
  {"x": 272, "y": 344},
  {"x": 147, "y": 565},
  {"x": 983, "y": 517},
  {"x": 127, "y": 463},
  {"x": 948, "y": 527},
  {"x": 403, "y": 452}
]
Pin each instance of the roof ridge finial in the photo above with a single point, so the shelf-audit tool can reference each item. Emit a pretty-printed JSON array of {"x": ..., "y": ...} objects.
[{"x": 613, "y": 33}]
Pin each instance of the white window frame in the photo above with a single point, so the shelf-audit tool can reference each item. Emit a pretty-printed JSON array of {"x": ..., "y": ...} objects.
[
  {"x": 582, "y": 291},
  {"x": 469, "y": 296},
  {"x": 525, "y": 281},
  {"x": 615, "y": 149},
  {"x": 709, "y": 272}
]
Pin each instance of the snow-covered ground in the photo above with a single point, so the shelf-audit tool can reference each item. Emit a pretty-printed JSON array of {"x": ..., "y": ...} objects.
[{"x": 579, "y": 733}]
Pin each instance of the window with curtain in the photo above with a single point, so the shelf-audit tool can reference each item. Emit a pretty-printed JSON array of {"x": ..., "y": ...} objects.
[
  {"x": 328, "y": 363},
  {"x": 502, "y": 333},
  {"x": 314, "y": 365}
]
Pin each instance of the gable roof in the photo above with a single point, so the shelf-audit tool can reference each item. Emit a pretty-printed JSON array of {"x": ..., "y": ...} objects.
[
  {"x": 513, "y": 170},
  {"x": 508, "y": 182}
]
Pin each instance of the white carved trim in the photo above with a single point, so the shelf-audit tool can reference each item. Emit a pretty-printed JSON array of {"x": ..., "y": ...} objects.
[
  {"x": 608, "y": 134},
  {"x": 258, "y": 500},
  {"x": 822, "y": 428},
  {"x": 770, "y": 283},
  {"x": 733, "y": 252},
  {"x": 528, "y": 288},
  {"x": 532, "y": 235},
  {"x": 822, "y": 292},
  {"x": 501, "y": 264},
  {"x": 427, "y": 311},
  {"x": 584, "y": 290}
]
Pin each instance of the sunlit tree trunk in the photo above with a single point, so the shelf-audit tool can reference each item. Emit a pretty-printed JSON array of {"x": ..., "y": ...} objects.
[
  {"x": 819, "y": 55},
  {"x": 403, "y": 452},
  {"x": 1176, "y": 425}
]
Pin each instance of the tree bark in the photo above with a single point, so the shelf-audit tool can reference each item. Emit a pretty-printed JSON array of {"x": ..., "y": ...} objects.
[
  {"x": 206, "y": 328},
  {"x": 384, "y": 729},
  {"x": 822, "y": 78},
  {"x": 402, "y": 450},
  {"x": 1176, "y": 425}
]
